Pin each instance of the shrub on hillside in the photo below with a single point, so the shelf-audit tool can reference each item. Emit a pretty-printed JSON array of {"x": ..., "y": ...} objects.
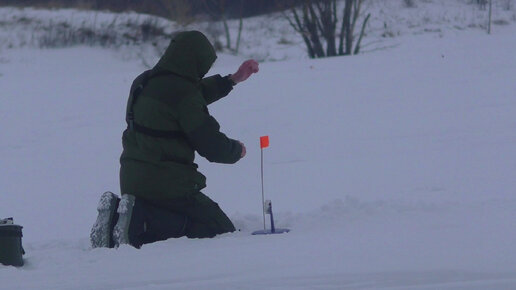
[
  {"x": 409, "y": 3},
  {"x": 114, "y": 35}
]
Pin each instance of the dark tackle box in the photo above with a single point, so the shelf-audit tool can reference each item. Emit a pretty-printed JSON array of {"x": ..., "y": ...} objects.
[{"x": 11, "y": 250}]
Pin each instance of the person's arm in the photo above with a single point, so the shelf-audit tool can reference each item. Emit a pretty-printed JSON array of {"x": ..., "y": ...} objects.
[
  {"x": 203, "y": 133},
  {"x": 215, "y": 87}
]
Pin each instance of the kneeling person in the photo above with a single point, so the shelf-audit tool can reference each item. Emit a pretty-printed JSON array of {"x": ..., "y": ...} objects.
[{"x": 168, "y": 121}]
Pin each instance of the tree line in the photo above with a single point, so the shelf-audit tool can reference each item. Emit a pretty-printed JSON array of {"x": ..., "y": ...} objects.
[{"x": 231, "y": 8}]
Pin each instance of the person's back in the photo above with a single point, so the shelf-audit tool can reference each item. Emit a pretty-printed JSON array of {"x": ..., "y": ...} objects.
[{"x": 173, "y": 99}]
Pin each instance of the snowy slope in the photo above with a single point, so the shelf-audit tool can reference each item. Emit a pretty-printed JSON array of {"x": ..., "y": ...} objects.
[
  {"x": 394, "y": 170},
  {"x": 265, "y": 38}
]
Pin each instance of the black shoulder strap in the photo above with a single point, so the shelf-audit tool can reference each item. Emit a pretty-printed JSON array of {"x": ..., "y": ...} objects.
[{"x": 131, "y": 125}]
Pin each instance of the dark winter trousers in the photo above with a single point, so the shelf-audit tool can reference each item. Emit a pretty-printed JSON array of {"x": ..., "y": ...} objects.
[{"x": 195, "y": 217}]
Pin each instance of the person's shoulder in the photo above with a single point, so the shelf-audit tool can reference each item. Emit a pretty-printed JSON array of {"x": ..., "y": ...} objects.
[
  {"x": 140, "y": 79},
  {"x": 173, "y": 90}
]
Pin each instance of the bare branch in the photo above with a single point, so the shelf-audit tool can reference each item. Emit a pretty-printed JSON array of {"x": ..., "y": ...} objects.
[{"x": 362, "y": 31}]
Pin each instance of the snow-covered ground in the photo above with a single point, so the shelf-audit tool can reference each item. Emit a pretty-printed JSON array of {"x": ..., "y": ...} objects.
[{"x": 394, "y": 170}]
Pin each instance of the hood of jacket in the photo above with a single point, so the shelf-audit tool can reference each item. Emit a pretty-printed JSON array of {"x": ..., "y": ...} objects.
[{"x": 189, "y": 54}]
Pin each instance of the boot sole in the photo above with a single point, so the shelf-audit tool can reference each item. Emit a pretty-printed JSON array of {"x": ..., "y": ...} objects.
[
  {"x": 125, "y": 212},
  {"x": 100, "y": 236}
]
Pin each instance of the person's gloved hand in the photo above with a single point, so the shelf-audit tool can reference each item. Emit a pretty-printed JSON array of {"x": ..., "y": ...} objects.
[
  {"x": 246, "y": 69},
  {"x": 243, "y": 150}
]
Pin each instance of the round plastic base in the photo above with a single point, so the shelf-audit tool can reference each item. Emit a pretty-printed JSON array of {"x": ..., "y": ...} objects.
[{"x": 269, "y": 232}]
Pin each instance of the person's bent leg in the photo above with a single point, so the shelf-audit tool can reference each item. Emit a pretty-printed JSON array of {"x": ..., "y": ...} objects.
[
  {"x": 206, "y": 218},
  {"x": 162, "y": 224},
  {"x": 196, "y": 217}
]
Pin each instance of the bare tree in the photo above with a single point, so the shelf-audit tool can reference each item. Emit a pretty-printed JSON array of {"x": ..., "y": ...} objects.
[
  {"x": 217, "y": 10},
  {"x": 490, "y": 16},
  {"x": 316, "y": 21},
  {"x": 481, "y": 3}
]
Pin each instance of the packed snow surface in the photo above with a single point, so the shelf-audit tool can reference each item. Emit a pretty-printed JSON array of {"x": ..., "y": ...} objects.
[{"x": 394, "y": 170}]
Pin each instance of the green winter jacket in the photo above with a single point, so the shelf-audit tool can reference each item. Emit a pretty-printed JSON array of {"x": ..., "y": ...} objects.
[{"x": 175, "y": 98}]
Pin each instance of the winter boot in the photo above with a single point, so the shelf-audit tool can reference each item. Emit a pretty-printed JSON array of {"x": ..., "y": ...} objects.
[
  {"x": 101, "y": 235},
  {"x": 130, "y": 226}
]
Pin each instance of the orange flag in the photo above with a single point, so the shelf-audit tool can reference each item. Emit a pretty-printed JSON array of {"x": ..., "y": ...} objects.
[{"x": 264, "y": 142}]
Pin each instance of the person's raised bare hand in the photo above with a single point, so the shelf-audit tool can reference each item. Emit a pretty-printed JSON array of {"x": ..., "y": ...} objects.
[{"x": 246, "y": 69}]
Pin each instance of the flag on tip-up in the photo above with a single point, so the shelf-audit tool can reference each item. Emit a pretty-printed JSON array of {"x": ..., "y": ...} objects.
[{"x": 264, "y": 142}]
